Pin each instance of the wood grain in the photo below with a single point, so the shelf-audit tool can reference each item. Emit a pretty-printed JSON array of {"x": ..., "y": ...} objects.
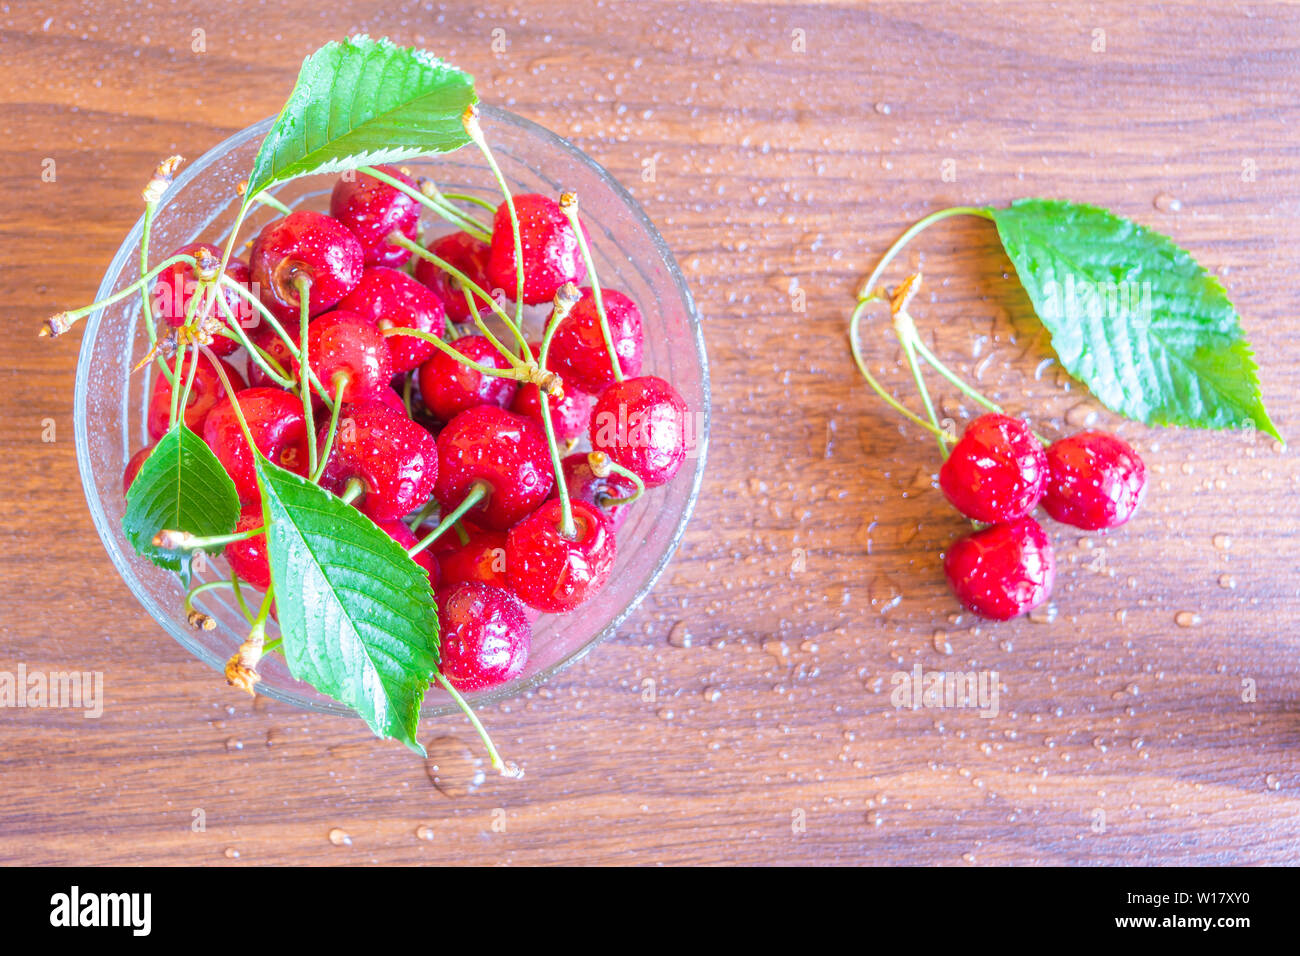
[{"x": 810, "y": 574}]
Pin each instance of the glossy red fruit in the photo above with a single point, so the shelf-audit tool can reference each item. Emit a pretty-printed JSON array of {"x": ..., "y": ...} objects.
[
  {"x": 578, "y": 350},
  {"x": 174, "y": 289},
  {"x": 205, "y": 394},
  {"x": 395, "y": 459},
  {"x": 279, "y": 431},
  {"x": 504, "y": 451},
  {"x": 641, "y": 424},
  {"x": 484, "y": 636},
  {"x": 248, "y": 558},
  {"x": 470, "y": 256},
  {"x": 448, "y": 387},
  {"x": 550, "y": 247},
  {"x": 481, "y": 558},
  {"x": 551, "y": 572},
  {"x": 343, "y": 348},
  {"x": 304, "y": 243},
  {"x": 391, "y": 299},
  {"x": 134, "y": 465},
  {"x": 400, "y": 533},
  {"x": 390, "y": 398},
  {"x": 373, "y": 210},
  {"x": 569, "y": 415},
  {"x": 997, "y": 471},
  {"x": 584, "y": 485},
  {"x": 1095, "y": 480},
  {"x": 1002, "y": 571},
  {"x": 267, "y": 340}
]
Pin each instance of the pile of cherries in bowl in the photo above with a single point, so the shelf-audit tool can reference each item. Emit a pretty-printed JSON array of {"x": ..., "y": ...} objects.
[{"x": 425, "y": 433}]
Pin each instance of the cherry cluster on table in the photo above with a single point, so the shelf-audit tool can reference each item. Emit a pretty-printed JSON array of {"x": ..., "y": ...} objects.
[
  {"x": 467, "y": 431},
  {"x": 997, "y": 474}
]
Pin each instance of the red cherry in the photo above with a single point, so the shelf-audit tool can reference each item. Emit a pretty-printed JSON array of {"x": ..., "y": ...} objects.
[
  {"x": 266, "y": 339},
  {"x": 342, "y": 347},
  {"x": 248, "y": 558},
  {"x": 400, "y": 533},
  {"x": 550, "y": 247},
  {"x": 551, "y": 572},
  {"x": 470, "y": 256},
  {"x": 507, "y": 453},
  {"x": 175, "y": 287},
  {"x": 484, "y": 635},
  {"x": 641, "y": 424},
  {"x": 578, "y": 349},
  {"x": 583, "y": 485},
  {"x": 569, "y": 415},
  {"x": 279, "y": 431},
  {"x": 1002, "y": 571},
  {"x": 373, "y": 210},
  {"x": 205, "y": 392},
  {"x": 449, "y": 387},
  {"x": 395, "y": 459},
  {"x": 304, "y": 243},
  {"x": 391, "y": 299},
  {"x": 996, "y": 472},
  {"x": 481, "y": 558},
  {"x": 389, "y": 397},
  {"x": 1095, "y": 480},
  {"x": 134, "y": 465}
]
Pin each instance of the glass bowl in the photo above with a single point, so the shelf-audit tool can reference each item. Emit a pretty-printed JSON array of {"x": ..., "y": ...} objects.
[{"x": 630, "y": 255}]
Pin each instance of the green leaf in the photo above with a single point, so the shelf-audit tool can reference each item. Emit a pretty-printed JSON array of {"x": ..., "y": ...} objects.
[
  {"x": 1134, "y": 317},
  {"x": 360, "y": 102},
  {"x": 356, "y": 614},
  {"x": 181, "y": 487}
]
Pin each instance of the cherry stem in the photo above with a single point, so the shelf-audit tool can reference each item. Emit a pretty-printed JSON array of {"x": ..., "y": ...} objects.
[
  {"x": 569, "y": 206},
  {"x": 239, "y": 598},
  {"x": 355, "y": 489},
  {"x": 442, "y": 210},
  {"x": 865, "y": 290},
  {"x": 333, "y": 429},
  {"x": 423, "y": 514},
  {"x": 905, "y": 329},
  {"x": 184, "y": 541},
  {"x": 266, "y": 199},
  {"x": 255, "y": 354},
  {"x": 602, "y": 466},
  {"x": 497, "y": 763},
  {"x": 201, "y": 589},
  {"x": 475, "y": 132},
  {"x": 565, "y": 299},
  {"x": 476, "y": 200},
  {"x": 521, "y": 373},
  {"x": 234, "y": 401},
  {"x": 879, "y": 389},
  {"x": 933, "y": 361},
  {"x": 62, "y": 321},
  {"x": 469, "y": 286},
  {"x": 477, "y": 493},
  {"x": 449, "y": 211},
  {"x": 264, "y": 612},
  {"x": 303, "y": 285}
]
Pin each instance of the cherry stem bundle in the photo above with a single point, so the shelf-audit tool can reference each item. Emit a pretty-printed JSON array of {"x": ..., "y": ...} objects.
[
  {"x": 569, "y": 206},
  {"x": 477, "y": 493},
  {"x": 435, "y": 203}
]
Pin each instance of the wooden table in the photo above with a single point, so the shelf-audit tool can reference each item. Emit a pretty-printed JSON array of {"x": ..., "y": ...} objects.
[{"x": 791, "y": 144}]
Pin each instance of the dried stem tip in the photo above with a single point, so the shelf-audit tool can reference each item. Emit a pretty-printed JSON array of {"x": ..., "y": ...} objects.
[
  {"x": 55, "y": 326},
  {"x": 241, "y": 669},
  {"x": 548, "y": 381},
  {"x": 174, "y": 540},
  {"x": 469, "y": 119},
  {"x": 568, "y": 200},
  {"x": 598, "y": 461},
  {"x": 162, "y": 178},
  {"x": 206, "y": 266},
  {"x": 200, "y": 621},
  {"x": 904, "y": 294}
]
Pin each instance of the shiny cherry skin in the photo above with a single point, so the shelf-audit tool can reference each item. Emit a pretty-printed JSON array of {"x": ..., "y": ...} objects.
[
  {"x": 584, "y": 485},
  {"x": 551, "y": 572},
  {"x": 641, "y": 424},
  {"x": 391, "y": 299},
  {"x": 175, "y": 287},
  {"x": 343, "y": 348},
  {"x": 373, "y": 210},
  {"x": 578, "y": 349},
  {"x": 279, "y": 431},
  {"x": 134, "y": 465},
  {"x": 395, "y": 459},
  {"x": 248, "y": 558},
  {"x": 506, "y": 452},
  {"x": 206, "y": 393},
  {"x": 550, "y": 247},
  {"x": 400, "y": 533},
  {"x": 1003, "y": 571},
  {"x": 304, "y": 243},
  {"x": 481, "y": 558},
  {"x": 997, "y": 471},
  {"x": 484, "y": 637},
  {"x": 270, "y": 342},
  {"x": 1095, "y": 480},
  {"x": 389, "y": 397},
  {"x": 569, "y": 415},
  {"x": 470, "y": 256},
  {"x": 449, "y": 387}
]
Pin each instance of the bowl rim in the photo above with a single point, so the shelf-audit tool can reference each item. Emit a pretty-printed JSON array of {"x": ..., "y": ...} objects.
[{"x": 123, "y": 562}]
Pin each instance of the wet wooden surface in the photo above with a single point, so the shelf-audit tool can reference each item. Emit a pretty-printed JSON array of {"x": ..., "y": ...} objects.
[{"x": 790, "y": 145}]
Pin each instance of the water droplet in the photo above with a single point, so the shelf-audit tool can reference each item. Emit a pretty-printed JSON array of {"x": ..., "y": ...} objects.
[
  {"x": 340, "y": 837},
  {"x": 230, "y": 853},
  {"x": 1043, "y": 614},
  {"x": 940, "y": 640},
  {"x": 233, "y": 743},
  {"x": 711, "y": 694},
  {"x": 1222, "y": 542},
  {"x": 1187, "y": 619},
  {"x": 424, "y": 831},
  {"x": 680, "y": 635},
  {"x": 1272, "y": 780},
  {"x": 1082, "y": 415},
  {"x": 884, "y": 109},
  {"x": 453, "y": 767},
  {"x": 1227, "y": 581},
  {"x": 1167, "y": 203}
]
